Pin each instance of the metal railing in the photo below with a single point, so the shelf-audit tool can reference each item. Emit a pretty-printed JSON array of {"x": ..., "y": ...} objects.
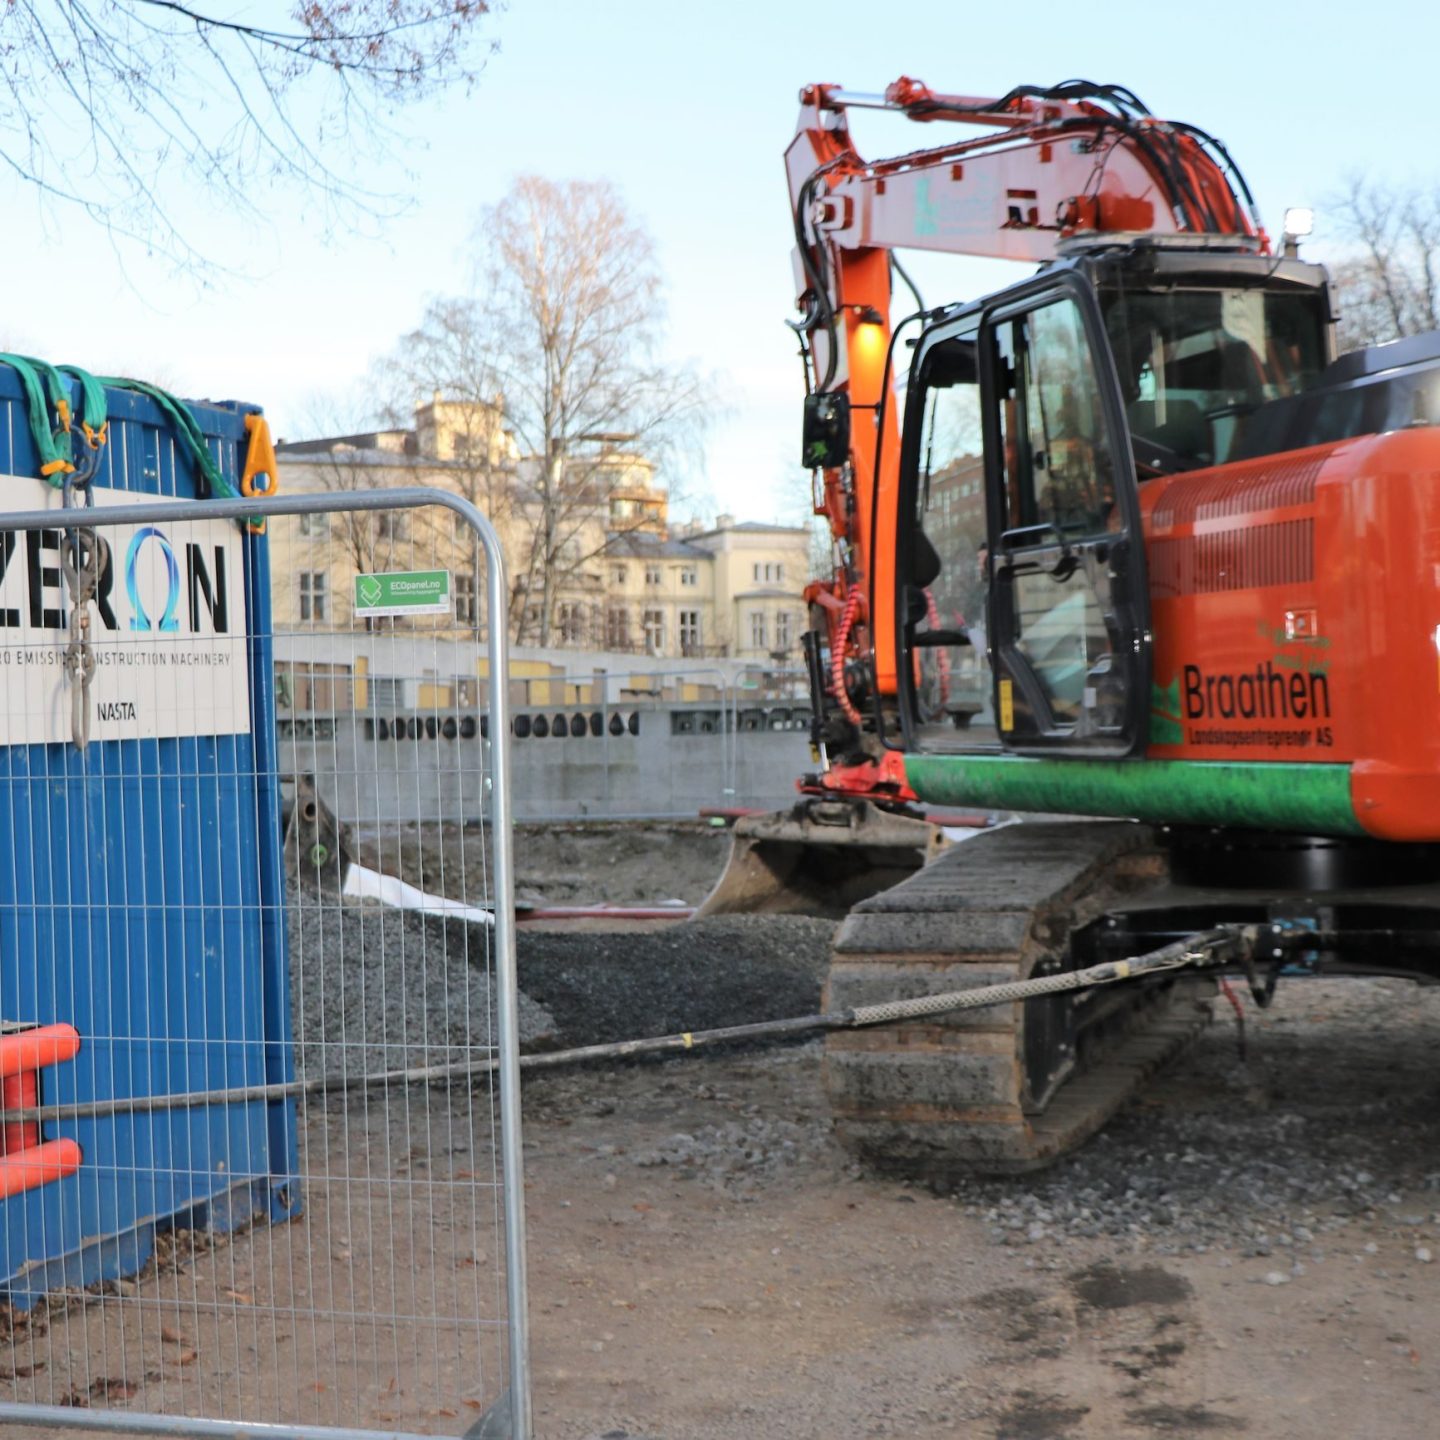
[{"x": 260, "y": 1159}]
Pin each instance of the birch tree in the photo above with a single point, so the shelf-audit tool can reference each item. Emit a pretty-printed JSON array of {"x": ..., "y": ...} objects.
[{"x": 563, "y": 333}]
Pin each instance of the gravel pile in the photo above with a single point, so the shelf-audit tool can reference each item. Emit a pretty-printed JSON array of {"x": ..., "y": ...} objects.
[
  {"x": 724, "y": 970},
  {"x": 375, "y": 989}
]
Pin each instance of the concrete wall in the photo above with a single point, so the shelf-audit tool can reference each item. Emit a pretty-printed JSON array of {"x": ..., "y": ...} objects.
[{"x": 667, "y": 761}]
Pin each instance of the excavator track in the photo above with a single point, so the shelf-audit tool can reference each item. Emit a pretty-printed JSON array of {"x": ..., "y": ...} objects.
[{"x": 1011, "y": 1088}]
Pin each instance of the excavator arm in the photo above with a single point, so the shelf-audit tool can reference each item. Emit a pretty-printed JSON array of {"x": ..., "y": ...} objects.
[{"x": 1051, "y": 165}]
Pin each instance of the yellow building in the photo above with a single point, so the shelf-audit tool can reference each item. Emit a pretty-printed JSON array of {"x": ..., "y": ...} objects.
[{"x": 620, "y": 579}]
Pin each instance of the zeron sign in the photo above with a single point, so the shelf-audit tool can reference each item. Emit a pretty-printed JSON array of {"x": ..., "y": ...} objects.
[{"x": 168, "y": 627}]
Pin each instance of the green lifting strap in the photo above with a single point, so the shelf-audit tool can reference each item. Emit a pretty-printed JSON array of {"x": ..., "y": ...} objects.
[
  {"x": 53, "y": 444},
  {"x": 51, "y": 437},
  {"x": 94, "y": 414},
  {"x": 213, "y": 482}
]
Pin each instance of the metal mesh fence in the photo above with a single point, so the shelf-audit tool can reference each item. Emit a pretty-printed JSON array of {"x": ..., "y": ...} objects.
[{"x": 259, "y": 1150}]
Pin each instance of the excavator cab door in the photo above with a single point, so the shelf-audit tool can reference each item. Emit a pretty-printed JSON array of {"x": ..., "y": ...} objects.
[
  {"x": 1018, "y": 469},
  {"x": 1069, "y": 604}
]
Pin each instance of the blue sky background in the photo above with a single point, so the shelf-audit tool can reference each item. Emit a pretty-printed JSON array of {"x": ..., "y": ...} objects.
[{"x": 688, "y": 108}]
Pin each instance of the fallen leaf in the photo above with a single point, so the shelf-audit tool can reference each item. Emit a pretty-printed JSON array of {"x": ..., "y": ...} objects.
[
  {"x": 446, "y": 1412},
  {"x": 642, "y": 1206},
  {"x": 239, "y": 1297},
  {"x": 172, "y": 1337},
  {"x": 472, "y": 1403},
  {"x": 107, "y": 1387},
  {"x": 186, "y": 1357}
]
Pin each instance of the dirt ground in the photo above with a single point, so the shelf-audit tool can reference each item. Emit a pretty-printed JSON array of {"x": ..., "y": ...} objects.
[
  {"x": 1248, "y": 1250},
  {"x": 678, "y": 1294}
]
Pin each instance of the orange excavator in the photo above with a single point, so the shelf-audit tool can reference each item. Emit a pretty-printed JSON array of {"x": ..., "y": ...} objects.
[{"x": 1125, "y": 540}]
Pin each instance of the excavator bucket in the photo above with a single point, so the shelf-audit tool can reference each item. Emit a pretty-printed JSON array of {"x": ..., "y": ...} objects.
[{"x": 820, "y": 858}]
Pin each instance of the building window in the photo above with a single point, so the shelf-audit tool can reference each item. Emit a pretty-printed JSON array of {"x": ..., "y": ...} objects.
[
  {"x": 758, "y": 568},
  {"x": 312, "y": 594},
  {"x": 757, "y": 629},
  {"x": 654, "y": 631},
  {"x": 689, "y": 632},
  {"x": 386, "y": 692},
  {"x": 392, "y": 525},
  {"x": 570, "y": 622},
  {"x": 315, "y": 527},
  {"x": 467, "y": 605},
  {"x": 619, "y": 575},
  {"x": 779, "y": 571},
  {"x": 688, "y": 575},
  {"x": 652, "y": 574},
  {"x": 783, "y": 635},
  {"x": 617, "y": 628}
]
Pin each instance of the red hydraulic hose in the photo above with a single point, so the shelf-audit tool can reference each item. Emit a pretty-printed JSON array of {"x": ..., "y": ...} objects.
[{"x": 837, "y": 656}]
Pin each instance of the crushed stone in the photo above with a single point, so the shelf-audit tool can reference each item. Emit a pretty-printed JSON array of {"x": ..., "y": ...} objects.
[{"x": 376, "y": 989}]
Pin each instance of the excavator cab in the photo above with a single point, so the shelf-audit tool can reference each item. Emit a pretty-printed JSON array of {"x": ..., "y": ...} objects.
[{"x": 1031, "y": 420}]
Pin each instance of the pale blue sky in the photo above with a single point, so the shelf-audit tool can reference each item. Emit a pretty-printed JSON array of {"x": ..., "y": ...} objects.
[{"x": 688, "y": 108}]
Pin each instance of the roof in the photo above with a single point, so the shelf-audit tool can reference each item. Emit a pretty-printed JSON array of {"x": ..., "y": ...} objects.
[
  {"x": 380, "y": 459},
  {"x": 646, "y": 545},
  {"x": 752, "y": 527}
]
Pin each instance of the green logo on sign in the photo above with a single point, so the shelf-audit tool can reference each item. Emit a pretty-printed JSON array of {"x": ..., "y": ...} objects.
[{"x": 367, "y": 587}]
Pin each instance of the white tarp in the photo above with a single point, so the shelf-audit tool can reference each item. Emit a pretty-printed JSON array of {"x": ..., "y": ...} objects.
[{"x": 168, "y": 626}]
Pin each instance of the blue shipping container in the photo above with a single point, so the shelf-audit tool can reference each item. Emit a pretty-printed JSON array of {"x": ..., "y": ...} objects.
[{"x": 141, "y": 883}]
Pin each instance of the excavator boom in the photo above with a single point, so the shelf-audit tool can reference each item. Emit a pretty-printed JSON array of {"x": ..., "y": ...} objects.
[{"x": 1064, "y": 163}]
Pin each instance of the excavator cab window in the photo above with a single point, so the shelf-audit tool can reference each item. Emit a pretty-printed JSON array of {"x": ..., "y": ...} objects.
[
  {"x": 943, "y": 599},
  {"x": 1195, "y": 364}
]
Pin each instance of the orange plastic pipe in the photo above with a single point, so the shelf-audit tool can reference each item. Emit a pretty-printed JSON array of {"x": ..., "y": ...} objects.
[
  {"x": 41, "y": 1164},
  {"x": 34, "y": 1049}
]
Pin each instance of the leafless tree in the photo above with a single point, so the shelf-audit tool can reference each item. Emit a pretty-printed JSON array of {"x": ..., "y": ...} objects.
[
  {"x": 444, "y": 360},
  {"x": 370, "y": 542},
  {"x": 1388, "y": 284},
  {"x": 106, "y": 106},
  {"x": 564, "y": 328}
]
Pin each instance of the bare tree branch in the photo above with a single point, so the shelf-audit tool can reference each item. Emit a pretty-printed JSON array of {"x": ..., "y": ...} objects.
[
  {"x": 1388, "y": 285},
  {"x": 110, "y": 108}
]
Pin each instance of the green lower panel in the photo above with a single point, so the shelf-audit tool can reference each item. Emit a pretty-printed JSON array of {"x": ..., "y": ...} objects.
[{"x": 1312, "y": 799}]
